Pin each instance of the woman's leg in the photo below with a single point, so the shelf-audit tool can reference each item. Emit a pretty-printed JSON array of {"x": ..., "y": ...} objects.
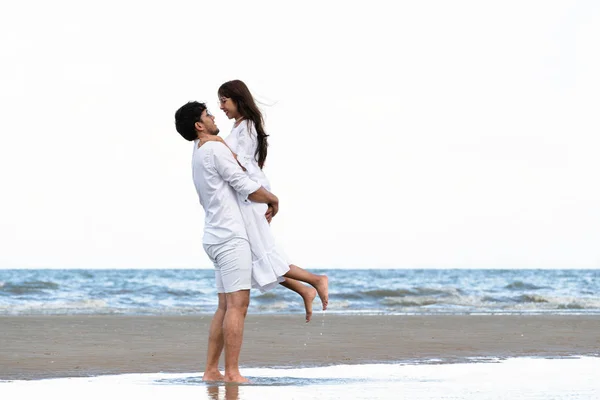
[
  {"x": 319, "y": 282},
  {"x": 308, "y": 294}
]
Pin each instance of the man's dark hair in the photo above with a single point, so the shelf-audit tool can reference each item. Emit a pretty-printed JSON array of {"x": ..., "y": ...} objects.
[{"x": 186, "y": 118}]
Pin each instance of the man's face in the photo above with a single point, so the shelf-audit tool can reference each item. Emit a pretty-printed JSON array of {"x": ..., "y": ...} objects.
[{"x": 207, "y": 123}]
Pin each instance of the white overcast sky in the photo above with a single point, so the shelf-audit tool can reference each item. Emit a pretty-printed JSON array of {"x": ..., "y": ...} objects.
[{"x": 404, "y": 134}]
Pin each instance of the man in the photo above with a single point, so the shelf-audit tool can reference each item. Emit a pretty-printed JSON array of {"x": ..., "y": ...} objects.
[{"x": 217, "y": 177}]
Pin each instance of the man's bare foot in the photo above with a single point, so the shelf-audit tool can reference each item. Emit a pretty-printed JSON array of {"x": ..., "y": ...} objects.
[
  {"x": 308, "y": 296},
  {"x": 213, "y": 376},
  {"x": 236, "y": 379},
  {"x": 322, "y": 287}
]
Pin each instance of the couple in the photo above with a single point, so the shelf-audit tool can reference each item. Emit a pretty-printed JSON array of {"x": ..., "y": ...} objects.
[{"x": 239, "y": 206}]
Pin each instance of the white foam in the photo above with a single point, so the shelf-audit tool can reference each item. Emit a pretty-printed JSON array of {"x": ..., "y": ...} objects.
[{"x": 519, "y": 378}]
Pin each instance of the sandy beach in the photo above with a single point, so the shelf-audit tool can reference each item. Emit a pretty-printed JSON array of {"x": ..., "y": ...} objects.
[{"x": 35, "y": 347}]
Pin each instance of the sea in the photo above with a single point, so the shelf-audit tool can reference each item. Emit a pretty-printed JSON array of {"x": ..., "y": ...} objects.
[{"x": 355, "y": 291}]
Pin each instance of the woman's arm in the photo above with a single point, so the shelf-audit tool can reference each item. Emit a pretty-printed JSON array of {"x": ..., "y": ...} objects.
[
  {"x": 215, "y": 138},
  {"x": 262, "y": 195}
]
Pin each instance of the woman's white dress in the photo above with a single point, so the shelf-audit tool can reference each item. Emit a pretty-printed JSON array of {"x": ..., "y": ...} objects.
[{"x": 269, "y": 262}]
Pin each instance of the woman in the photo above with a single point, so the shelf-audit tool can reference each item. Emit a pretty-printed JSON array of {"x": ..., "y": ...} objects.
[{"x": 248, "y": 143}]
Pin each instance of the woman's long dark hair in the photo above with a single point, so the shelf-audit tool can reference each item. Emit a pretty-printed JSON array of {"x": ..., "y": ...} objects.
[{"x": 239, "y": 93}]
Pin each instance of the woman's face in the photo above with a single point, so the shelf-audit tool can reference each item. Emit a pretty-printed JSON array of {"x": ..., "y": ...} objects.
[{"x": 229, "y": 108}]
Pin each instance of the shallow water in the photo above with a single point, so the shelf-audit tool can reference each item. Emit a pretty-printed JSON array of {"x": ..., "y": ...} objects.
[{"x": 517, "y": 378}]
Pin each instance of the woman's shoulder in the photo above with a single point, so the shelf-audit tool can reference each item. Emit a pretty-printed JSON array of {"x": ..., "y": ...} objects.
[{"x": 247, "y": 127}]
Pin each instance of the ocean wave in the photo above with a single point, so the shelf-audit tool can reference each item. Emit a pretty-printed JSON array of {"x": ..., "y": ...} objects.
[
  {"x": 183, "y": 293},
  {"x": 267, "y": 296},
  {"x": 385, "y": 293},
  {"x": 91, "y": 306},
  {"x": 99, "y": 307},
  {"x": 339, "y": 305},
  {"x": 28, "y": 287},
  {"x": 409, "y": 301},
  {"x": 571, "y": 306},
  {"x": 520, "y": 285},
  {"x": 571, "y": 303},
  {"x": 416, "y": 291},
  {"x": 522, "y": 303},
  {"x": 492, "y": 299},
  {"x": 530, "y": 298},
  {"x": 275, "y": 306},
  {"x": 157, "y": 291},
  {"x": 346, "y": 295}
]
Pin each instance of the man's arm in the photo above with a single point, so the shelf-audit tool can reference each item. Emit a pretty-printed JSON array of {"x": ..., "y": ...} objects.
[
  {"x": 262, "y": 195},
  {"x": 232, "y": 173}
]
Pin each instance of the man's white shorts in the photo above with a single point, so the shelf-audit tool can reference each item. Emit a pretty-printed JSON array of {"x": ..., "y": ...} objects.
[{"x": 233, "y": 264}]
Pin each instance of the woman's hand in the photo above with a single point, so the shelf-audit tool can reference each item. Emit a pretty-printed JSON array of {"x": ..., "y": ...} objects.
[
  {"x": 210, "y": 138},
  {"x": 269, "y": 213},
  {"x": 274, "y": 206}
]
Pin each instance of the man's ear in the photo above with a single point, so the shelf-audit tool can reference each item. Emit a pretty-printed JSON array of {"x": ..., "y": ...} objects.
[{"x": 199, "y": 127}]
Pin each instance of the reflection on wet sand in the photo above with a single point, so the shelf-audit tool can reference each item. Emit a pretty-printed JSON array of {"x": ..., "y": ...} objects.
[{"x": 231, "y": 392}]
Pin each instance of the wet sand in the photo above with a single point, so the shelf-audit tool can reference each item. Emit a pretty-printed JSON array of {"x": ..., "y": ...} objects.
[{"x": 35, "y": 347}]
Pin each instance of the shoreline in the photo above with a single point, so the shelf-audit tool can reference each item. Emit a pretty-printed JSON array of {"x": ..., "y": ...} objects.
[{"x": 39, "y": 347}]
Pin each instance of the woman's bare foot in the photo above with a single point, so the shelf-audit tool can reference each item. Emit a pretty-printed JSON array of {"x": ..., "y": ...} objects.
[
  {"x": 236, "y": 379},
  {"x": 322, "y": 287},
  {"x": 308, "y": 296},
  {"x": 213, "y": 376}
]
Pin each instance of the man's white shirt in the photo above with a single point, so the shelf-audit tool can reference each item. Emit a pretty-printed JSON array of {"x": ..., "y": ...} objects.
[{"x": 217, "y": 177}]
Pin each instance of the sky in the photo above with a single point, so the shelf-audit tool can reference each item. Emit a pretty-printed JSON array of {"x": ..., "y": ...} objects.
[{"x": 405, "y": 134}]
